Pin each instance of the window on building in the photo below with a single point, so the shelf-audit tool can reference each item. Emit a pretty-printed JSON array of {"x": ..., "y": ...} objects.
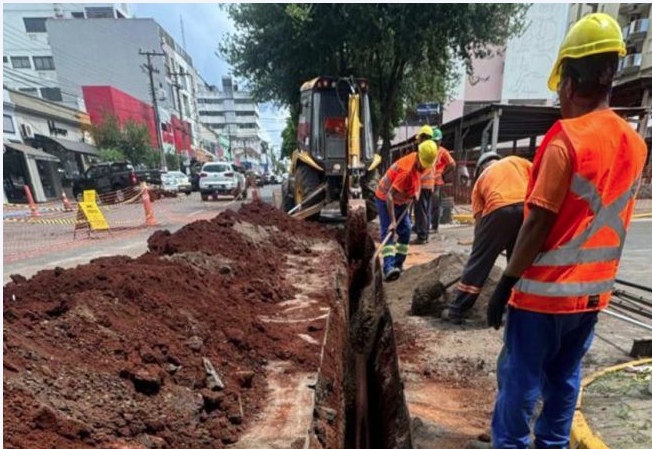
[
  {"x": 212, "y": 113},
  {"x": 248, "y": 126},
  {"x": 77, "y": 15},
  {"x": 34, "y": 24},
  {"x": 51, "y": 93},
  {"x": 186, "y": 105},
  {"x": 99, "y": 12},
  {"x": 242, "y": 101},
  {"x": 20, "y": 62},
  {"x": 210, "y": 100},
  {"x": 8, "y": 124},
  {"x": 217, "y": 125},
  {"x": 5, "y": 60},
  {"x": 43, "y": 63},
  {"x": 245, "y": 113},
  {"x": 29, "y": 91}
]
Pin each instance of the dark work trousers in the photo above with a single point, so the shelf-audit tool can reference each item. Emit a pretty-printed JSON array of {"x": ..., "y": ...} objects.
[
  {"x": 422, "y": 214},
  {"x": 495, "y": 233},
  {"x": 435, "y": 207}
]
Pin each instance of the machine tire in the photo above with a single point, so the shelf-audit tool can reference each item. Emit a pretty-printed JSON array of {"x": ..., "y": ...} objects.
[
  {"x": 287, "y": 194},
  {"x": 369, "y": 185},
  {"x": 306, "y": 181}
]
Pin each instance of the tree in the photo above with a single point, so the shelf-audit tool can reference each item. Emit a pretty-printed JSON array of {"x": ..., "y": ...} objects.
[
  {"x": 289, "y": 136},
  {"x": 407, "y": 51},
  {"x": 130, "y": 139}
]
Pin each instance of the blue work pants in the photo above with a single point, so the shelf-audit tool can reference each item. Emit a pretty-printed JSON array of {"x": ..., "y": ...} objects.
[
  {"x": 396, "y": 249},
  {"x": 541, "y": 358}
]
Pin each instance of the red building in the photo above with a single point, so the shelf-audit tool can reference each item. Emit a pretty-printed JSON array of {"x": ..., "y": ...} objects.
[{"x": 103, "y": 100}]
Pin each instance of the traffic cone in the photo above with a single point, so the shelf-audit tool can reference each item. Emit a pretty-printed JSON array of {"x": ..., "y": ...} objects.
[
  {"x": 30, "y": 200},
  {"x": 147, "y": 204},
  {"x": 66, "y": 204}
]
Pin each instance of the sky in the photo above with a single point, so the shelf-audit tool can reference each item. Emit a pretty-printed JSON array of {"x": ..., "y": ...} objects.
[{"x": 205, "y": 25}]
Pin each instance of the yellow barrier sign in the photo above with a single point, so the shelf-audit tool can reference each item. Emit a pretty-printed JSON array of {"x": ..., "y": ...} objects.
[
  {"x": 90, "y": 196},
  {"x": 94, "y": 216}
]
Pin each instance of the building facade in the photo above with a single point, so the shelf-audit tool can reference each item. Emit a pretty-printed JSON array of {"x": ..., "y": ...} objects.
[
  {"x": 28, "y": 62},
  {"x": 234, "y": 114}
]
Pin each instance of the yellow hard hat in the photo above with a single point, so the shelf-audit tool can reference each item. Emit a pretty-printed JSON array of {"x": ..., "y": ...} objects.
[
  {"x": 592, "y": 34},
  {"x": 425, "y": 129},
  {"x": 428, "y": 153}
]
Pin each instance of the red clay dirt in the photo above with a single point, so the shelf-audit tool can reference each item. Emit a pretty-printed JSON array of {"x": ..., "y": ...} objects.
[{"x": 113, "y": 354}]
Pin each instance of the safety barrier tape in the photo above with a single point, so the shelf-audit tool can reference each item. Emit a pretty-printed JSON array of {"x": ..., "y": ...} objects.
[
  {"x": 65, "y": 221},
  {"x": 582, "y": 437}
]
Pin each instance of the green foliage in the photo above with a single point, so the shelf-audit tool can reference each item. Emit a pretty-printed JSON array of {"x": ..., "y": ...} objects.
[
  {"x": 172, "y": 161},
  {"x": 289, "y": 136},
  {"x": 112, "y": 155},
  {"x": 406, "y": 51},
  {"x": 130, "y": 139}
]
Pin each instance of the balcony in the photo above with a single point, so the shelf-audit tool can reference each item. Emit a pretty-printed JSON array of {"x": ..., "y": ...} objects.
[
  {"x": 636, "y": 30},
  {"x": 630, "y": 64}
]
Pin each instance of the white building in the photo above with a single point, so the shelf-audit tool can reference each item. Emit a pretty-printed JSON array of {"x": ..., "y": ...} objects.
[
  {"x": 233, "y": 113},
  {"x": 28, "y": 63}
]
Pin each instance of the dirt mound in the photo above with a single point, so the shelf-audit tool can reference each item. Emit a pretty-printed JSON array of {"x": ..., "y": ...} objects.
[{"x": 130, "y": 353}]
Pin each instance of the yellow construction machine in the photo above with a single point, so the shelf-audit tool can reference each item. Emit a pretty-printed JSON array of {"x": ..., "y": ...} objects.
[{"x": 335, "y": 159}]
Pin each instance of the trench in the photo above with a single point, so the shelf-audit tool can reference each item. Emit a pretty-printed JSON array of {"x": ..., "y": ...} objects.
[{"x": 375, "y": 409}]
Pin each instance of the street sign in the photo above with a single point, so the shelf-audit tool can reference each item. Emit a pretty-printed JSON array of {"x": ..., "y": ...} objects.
[{"x": 428, "y": 109}]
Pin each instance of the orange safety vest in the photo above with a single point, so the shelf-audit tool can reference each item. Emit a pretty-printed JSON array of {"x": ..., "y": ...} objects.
[
  {"x": 402, "y": 180},
  {"x": 444, "y": 158},
  {"x": 576, "y": 268}
]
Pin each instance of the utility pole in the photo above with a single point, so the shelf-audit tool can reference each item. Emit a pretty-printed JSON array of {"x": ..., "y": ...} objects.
[
  {"x": 177, "y": 88},
  {"x": 157, "y": 121}
]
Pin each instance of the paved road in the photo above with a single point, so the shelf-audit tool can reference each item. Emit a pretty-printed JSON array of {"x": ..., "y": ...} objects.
[{"x": 29, "y": 248}]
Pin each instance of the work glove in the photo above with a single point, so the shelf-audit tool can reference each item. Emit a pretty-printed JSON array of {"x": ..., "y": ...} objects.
[{"x": 498, "y": 301}]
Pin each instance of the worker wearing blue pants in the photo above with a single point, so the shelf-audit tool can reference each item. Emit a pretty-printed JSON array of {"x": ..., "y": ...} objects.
[
  {"x": 541, "y": 358},
  {"x": 396, "y": 249},
  {"x": 578, "y": 207},
  {"x": 395, "y": 192}
]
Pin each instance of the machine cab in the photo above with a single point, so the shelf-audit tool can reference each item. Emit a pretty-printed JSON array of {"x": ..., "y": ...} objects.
[{"x": 321, "y": 130}]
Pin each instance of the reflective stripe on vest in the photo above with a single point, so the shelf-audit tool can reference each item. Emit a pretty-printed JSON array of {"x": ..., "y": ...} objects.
[{"x": 572, "y": 253}]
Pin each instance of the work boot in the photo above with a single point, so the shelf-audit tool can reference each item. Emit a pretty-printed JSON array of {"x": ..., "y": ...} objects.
[
  {"x": 419, "y": 241},
  {"x": 391, "y": 275},
  {"x": 452, "y": 315}
]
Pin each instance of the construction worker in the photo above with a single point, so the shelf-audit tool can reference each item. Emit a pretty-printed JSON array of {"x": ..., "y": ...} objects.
[
  {"x": 497, "y": 202},
  {"x": 422, "y": 210},
  {"x": 445, "y": 164},
  {"x": 579, "y": 204},
  {"x": 396, "y": 190}
]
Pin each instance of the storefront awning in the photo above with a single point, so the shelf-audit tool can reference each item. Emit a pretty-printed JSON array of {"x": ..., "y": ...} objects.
[
  {"x": 32, "y": 152},
  {"x": 71, "y": 145}
]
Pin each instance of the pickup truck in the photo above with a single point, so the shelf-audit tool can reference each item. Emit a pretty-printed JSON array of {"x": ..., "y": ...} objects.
[{"x": 108, "y": 177}]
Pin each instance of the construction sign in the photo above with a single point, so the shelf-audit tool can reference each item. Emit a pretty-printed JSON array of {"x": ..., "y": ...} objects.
[{"x": 89, "y": 215}]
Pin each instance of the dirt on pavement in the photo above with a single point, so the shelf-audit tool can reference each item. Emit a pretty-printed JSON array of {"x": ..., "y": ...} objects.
[{"x": 130, "y": 353}]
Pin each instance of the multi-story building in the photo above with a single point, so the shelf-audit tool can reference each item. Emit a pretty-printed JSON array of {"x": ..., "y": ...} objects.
[
  {"x": 113, "y": 48},
  {"x": 233, "y": 113},
  {"x": 28, "y": 62}
]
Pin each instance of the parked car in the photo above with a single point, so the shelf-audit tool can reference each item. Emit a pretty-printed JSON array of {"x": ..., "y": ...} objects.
[
  {"x": 108, "y": 177},
  {"x": 175, "y": 181},
  {"x": 221, "y": 178}
]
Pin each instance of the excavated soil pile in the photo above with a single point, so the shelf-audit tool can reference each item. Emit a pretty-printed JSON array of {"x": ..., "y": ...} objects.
[{"x": 167, "y": 350}]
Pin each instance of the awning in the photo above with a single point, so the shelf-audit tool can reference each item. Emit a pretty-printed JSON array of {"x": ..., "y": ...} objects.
[
  {"x": 71, "y": 145},
  {"x": 32, "y": 152}
]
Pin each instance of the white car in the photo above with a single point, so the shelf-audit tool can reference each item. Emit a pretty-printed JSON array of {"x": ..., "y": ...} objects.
[
  {"x": 175, "y": 181},
  {"x": 221, "y": 178}
]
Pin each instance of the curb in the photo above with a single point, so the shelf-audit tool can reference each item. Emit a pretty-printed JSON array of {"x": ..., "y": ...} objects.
[{"x": 582, "y": 437}]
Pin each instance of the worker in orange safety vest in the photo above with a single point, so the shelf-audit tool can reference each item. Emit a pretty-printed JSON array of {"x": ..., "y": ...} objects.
[
  {"x": 399, "y": 186},
  {"x": 497, "y": 201},
  {"x": 444, "y": 165},
  {"x": 578, "y": 207}
]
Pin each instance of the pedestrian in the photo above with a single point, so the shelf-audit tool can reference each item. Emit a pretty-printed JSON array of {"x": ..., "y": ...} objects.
[
  {"x": 444, "y": 165},
  {"x": 422, "y": 210},
  {"x": 579, "y": 204},
  {"x": 497, "y": 203},
  {"x": 396, "y": 190}
]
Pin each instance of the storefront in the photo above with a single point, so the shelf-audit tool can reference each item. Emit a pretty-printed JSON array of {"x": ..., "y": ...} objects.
[{"x": 24, "y": 165}]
